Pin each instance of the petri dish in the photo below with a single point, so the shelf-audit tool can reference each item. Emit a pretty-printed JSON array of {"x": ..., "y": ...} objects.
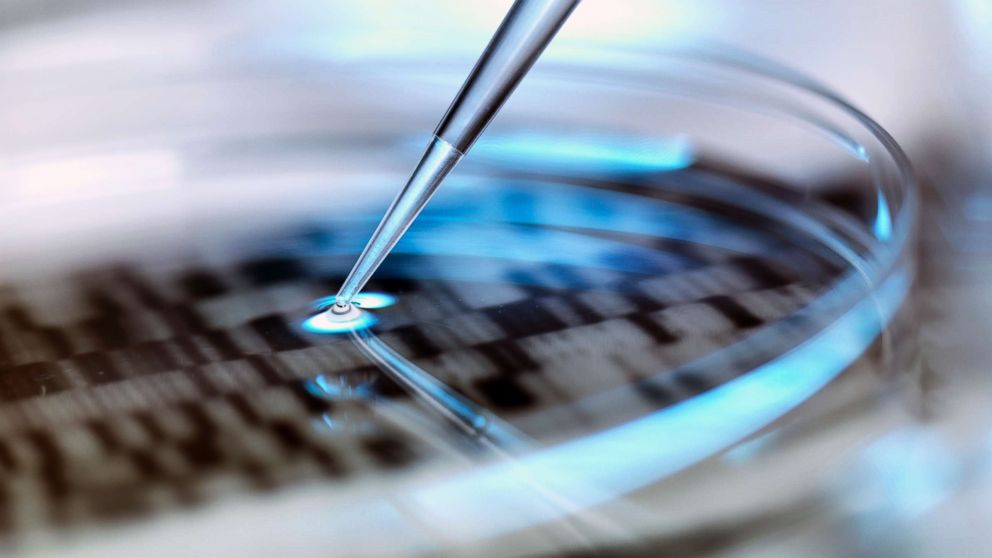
[{"x": 651, "y": 268}]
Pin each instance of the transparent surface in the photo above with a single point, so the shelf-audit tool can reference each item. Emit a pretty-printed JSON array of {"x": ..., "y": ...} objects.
[{"x": 615, "y": 287}]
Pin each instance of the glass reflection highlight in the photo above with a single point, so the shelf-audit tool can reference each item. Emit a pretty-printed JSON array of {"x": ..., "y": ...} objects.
[{"x": 580, "y": 154}]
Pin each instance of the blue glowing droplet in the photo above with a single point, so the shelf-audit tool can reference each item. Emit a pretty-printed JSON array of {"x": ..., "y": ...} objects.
[
  {"x": 326, "y": 322},
  {"x": 361, "y": 300}
]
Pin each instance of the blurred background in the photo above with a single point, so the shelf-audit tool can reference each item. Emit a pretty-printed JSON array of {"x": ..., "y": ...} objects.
[{"x": 923, "y": 70}]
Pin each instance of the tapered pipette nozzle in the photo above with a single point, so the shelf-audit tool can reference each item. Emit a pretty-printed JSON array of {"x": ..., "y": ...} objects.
[{"x": 521, "y": 38}]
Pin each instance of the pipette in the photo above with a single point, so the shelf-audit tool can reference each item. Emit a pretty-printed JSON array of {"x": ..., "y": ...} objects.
[{"x": 521, "y": 38}]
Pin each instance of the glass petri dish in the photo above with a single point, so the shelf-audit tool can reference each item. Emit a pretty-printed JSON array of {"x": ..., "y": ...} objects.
[{"x": 651, "y": 261}]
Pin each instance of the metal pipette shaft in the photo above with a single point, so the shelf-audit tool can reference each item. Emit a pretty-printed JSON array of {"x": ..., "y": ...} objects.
[{"x": 521, "y": 38}]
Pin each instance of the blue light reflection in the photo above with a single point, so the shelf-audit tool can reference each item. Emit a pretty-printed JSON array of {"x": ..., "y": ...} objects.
[
  {"x": 324, "y": 322},
  {"x": 883, "y": 219},
  {"x": 362, "y": 300},
  {"x": 338, "y": 388}
]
